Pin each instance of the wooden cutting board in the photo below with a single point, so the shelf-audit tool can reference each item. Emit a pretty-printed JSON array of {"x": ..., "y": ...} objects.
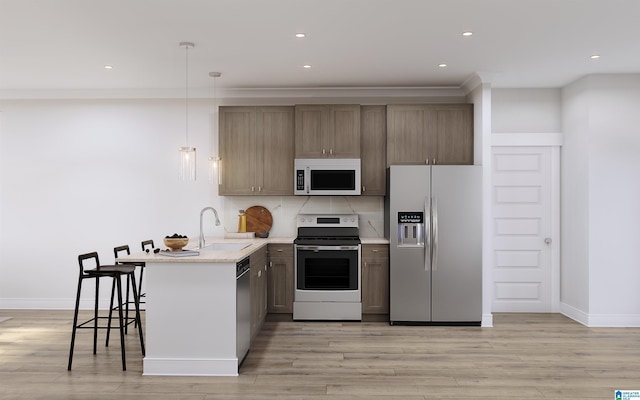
[{"x": 259, "y": 219}]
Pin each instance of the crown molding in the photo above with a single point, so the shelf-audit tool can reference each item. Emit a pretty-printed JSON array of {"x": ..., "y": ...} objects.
[{"x": 238, "y": 93}]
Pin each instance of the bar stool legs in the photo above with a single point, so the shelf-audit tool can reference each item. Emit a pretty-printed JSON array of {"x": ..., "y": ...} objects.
[
  {"x": 115, "y": 272},
  {"x": 117, "y": 252},
  {"x": 124, "y": 319}
]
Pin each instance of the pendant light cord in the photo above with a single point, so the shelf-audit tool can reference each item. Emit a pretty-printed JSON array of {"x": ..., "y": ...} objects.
[{"x": 186, "y": 96}]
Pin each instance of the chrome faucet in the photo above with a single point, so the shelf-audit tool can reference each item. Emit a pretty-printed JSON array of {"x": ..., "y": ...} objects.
[{"x": 201, "y": 241}]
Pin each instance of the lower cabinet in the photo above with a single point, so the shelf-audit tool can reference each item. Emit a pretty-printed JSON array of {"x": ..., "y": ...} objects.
[
  {"x": 280, "y": 279},
  {"x": 375, "y": 279},
  {"x": 258, "y": 283},
  {"x": 272, "y": 281}
]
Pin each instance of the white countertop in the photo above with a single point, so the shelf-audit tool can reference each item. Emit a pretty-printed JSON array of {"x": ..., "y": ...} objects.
[
  {"x": 374, "y": 240},
  {"x": 222, "y": 256}
]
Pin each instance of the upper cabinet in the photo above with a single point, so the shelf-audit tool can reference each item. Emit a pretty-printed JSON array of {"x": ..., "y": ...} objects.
[
  {"x": 327, "y": 131},
  {"x": 373, "y": 150},
  {"x": 430, "y": 134},
  {"x": 256, "y": 150}
]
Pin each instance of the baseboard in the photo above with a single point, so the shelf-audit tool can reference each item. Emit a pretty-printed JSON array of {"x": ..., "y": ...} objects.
[
  {"x": 600, "y": 320},
  {"x": 614, "y": 320},
  {"x": 574, "y": 313},
  {"x": 487, "y": 321}
]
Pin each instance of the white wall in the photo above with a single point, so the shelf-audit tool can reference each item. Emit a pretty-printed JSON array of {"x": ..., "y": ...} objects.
[
  {"x": 87, "y": 175},
  {"x": 574, "y": 286},
  {"x": 601, "y": 197},
  {"x": 481, "y": 96},
  {"x": 526, "y": 111}
]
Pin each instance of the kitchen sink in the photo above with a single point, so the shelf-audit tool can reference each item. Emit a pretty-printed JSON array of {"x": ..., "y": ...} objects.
[{"x": 226, "y": 246}]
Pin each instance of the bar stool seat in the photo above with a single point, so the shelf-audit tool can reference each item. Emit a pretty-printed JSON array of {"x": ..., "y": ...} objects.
[{"x": 104, "y": 271}]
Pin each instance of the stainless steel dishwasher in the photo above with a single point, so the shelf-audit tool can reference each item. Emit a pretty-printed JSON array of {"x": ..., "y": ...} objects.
[{"x": 243, "y": 309}]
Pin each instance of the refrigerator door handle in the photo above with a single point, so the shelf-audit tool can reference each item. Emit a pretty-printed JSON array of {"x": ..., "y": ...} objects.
[
  {"x": 434, "y": 262},
  {"x": 427, "y": 229}
]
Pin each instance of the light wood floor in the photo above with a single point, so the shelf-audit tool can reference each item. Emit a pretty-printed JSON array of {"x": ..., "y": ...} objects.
[{"x": 525, "y": 356}]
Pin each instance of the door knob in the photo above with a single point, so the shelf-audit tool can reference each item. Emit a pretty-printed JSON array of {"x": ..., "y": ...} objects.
[{"x": 547, "y": 240}]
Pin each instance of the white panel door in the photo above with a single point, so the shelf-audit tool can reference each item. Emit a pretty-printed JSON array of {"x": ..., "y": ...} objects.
[{"x": 522, "y": 229}]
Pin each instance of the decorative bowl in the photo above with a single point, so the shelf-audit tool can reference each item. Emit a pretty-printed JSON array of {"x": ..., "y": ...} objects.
[{"x": 176, "y": 244}]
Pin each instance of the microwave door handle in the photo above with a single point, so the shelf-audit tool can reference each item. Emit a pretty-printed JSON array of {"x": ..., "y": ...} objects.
[{"x": 307, "y": 179}]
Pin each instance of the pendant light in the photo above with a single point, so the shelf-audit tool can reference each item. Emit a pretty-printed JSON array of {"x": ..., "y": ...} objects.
[
  {"x": 214, "y": 161},
  {"x": 187, "y": 154}
]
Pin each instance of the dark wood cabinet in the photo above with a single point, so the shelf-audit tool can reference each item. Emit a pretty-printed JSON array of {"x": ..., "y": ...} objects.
[
  {"x": 256, "y": 150},
  {"x": 327, "y": 131},
  {"x": 430, "y": 134},
  {"x": 373, "y": 149},
  {"x": 258, "y": 289},
  {"x": 375, "y": 279},
  {"x": 280, "y": 279}
]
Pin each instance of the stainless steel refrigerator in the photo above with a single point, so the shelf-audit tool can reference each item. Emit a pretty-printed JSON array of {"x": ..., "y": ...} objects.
[{"x": 434, "y": 225}]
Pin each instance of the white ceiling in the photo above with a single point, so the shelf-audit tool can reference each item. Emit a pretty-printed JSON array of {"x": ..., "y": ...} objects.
[{"x": 64, "y": 44}]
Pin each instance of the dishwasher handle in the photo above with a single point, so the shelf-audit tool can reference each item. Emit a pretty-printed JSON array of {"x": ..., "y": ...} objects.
[{"x": 243, "y": 273}]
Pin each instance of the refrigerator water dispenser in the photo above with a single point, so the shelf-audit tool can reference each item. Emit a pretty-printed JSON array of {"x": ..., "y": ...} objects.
[{"x": 411, "y": 229}]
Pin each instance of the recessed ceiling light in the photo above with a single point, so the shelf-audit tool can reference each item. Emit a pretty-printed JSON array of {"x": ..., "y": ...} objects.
[
  {"x": 595, "y": 56},
  {"x": 467, "y": 33},
  {"x": 306, "y": 66},
  {"x": 300, "y": 35},
  {"x": 443, "y": 65},
  {"x": 108, "y": 67}
]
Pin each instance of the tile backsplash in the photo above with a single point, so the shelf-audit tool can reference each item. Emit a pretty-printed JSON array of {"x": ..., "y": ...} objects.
[{"x": 284, "y": 210}]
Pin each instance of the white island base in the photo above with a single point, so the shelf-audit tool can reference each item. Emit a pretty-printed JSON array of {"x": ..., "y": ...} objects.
[{"x": 190, "y": 318}]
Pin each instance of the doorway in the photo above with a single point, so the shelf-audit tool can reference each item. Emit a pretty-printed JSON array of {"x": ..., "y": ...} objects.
[{"x": 525, "y": 228}]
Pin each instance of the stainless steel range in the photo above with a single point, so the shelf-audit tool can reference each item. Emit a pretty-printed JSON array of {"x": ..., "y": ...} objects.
[{"x": 327, "y": 272}]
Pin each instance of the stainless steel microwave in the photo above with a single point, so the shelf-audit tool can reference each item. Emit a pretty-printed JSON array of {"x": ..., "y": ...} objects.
[{"x": 327, "y": 177}]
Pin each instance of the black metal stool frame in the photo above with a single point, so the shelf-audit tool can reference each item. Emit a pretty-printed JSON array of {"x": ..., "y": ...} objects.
[
  {"x": 127, "y": 319},
  {"x": 115, "y": 272}
]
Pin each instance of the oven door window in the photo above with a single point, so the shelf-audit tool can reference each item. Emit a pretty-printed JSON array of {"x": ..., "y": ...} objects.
[
  {"x": 333, "y": 179},
  {"x": 327, "y": 270}
]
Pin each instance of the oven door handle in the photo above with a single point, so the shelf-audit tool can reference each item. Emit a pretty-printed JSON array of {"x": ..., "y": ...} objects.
[{"x": 320, "y": 248}]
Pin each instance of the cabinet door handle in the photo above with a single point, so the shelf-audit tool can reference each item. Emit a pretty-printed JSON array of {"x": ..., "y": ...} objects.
[
  {"x": 324, "y": 152},
  {"x": 259, "y": 188},
  {"x": 364, "y": 188},
  {"x": 252, "y": 189},
  {"x": 374, "y": 250},
  {"x": 330, "y": 152},
  {"x": 365, "y": 265},
  {"x": 279, "y": 250}
]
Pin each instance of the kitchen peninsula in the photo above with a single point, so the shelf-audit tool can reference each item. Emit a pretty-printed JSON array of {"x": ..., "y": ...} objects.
[
  {"x": 191, "y": 308},
  {"x": 191, "y": 320}
]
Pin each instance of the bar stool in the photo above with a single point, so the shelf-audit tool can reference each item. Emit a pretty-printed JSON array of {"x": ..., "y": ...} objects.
[
  {"x": 103, "y": 271},
  {"x": 118, "y": 252},
  {"x": 147, "y": 245}
]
